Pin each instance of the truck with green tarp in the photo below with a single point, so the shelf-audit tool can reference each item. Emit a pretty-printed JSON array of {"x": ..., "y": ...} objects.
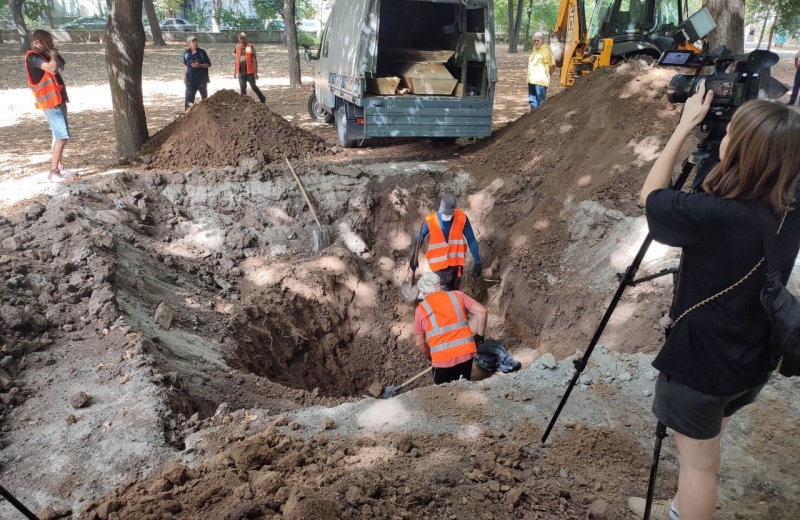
[{"x": 406, "y": 68}]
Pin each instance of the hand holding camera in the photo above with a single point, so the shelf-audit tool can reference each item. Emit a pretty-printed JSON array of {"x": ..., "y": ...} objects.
[{"x": 696, "y": 107}]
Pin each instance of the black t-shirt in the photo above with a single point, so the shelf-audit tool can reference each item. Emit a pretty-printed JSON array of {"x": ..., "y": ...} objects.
[
  {"x": 720, "y": 348},
  {"x": 197, "y": 76},
  {"x": 34, "y": 63}
]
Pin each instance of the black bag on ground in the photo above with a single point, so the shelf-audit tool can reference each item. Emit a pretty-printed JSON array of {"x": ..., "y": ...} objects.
[
  {"x": 492, "y": 356},
  {"x": 783, "y": 309}
]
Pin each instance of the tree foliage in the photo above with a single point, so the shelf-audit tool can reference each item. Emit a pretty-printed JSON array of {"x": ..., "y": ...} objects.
[{"x": 272, "y": 9}]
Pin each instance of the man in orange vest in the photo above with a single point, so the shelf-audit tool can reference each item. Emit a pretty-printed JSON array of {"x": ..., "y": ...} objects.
[
  {"x": 451, "y": 235},
  {"x": 42, "y": 65},
  {"x": 442, "y": 332},
  {"x": 246, "y": 68}
]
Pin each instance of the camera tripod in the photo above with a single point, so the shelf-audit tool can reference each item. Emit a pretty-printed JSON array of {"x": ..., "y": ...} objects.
[
  {"x": 628, "y": 279},
  {"x": 17, "y": 504}
]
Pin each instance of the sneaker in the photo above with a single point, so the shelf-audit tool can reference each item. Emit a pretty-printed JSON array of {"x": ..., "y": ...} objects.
[
  {"x": 55, "y": 176},
  {"x": 659, "y": 511},
  {"x": 66, "y": 173}
]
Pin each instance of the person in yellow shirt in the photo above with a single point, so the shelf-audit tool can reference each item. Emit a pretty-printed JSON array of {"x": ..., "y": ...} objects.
[{"x": 539, "y": 70}]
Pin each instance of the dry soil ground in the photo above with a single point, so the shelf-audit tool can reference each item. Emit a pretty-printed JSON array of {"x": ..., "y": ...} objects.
[{"x": 173, "y": 348}]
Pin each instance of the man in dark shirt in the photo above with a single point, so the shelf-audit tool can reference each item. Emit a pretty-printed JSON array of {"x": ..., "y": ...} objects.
[
  {"x": 197, "y": 64},
  {"x": 43, "y": 64}
]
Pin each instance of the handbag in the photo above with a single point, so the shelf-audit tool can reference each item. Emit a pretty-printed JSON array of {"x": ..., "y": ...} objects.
[{"x": 782, "y": 308}]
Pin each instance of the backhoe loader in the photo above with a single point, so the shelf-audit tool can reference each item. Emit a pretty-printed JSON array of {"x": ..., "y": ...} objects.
[{"x": 616, "y": 29}]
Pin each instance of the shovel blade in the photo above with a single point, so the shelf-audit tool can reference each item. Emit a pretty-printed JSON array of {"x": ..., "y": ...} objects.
[
  {"x": 410, "y": 292},
  {"x": 322, "y": 238}
]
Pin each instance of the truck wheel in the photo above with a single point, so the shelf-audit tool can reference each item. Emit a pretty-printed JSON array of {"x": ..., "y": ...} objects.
[
  {"x": 341, "y": 128},
  {"x": 317, "y": 111}
]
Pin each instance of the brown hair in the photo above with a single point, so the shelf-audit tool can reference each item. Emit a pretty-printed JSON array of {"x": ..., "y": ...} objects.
[
  {"x": 762, "y": 160},
  {"x": 38, "y": 34}
]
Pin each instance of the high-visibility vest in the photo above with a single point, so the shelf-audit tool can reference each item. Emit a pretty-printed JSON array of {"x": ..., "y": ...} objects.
[
  {"x": 448, "y": 332},
  {"x": 47, "y": 92},
  {"x": 442, "y": 253},
  {"x": 248, "y": 57}
]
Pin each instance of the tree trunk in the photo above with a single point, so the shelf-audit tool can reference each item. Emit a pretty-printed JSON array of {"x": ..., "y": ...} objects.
[
  {"x": 763, "y": 30},
  {"x": 48, "y": 13},
  {"x": 729, "y": 15},
  {"x": 216, "y": 6},
  {"x": 124, "y": 56},
  {"x": 772, "y": 32},
  {"x": 19, "y": 20},
  {"x": 528, "y": 25},
  {"x": 152, "y": 19},
  {"x": 291, "y": 43},
  {"x": 512, "y": 37},
  {"x": 518, "y": 23}
]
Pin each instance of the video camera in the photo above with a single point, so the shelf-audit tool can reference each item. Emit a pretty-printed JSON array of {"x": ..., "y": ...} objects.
[{"x": 736, "y": 78}]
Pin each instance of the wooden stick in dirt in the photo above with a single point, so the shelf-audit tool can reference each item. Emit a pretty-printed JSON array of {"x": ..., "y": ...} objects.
[{"x": 303, "y": 191}]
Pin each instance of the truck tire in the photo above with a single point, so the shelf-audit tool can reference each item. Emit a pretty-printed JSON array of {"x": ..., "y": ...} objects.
[
  {"x": 341, "y": 128},
  {"x": 317, "y": 111}
]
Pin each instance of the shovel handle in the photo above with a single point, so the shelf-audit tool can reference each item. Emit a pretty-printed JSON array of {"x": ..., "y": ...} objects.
[
  {"x": 303, "y": 191},
  {"x": 414, "y": 378}
]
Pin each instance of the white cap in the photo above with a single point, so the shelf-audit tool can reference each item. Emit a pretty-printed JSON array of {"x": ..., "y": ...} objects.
[
  {"x": 428, "y": 284},
  {"x": 190, "y": 38}
]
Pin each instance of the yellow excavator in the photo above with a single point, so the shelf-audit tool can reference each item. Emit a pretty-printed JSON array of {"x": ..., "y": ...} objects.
[{"x": 620, "y": 29}]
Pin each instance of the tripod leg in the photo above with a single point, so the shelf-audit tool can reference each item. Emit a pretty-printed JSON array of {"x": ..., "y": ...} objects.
[
  {"x": 661, "y": 432},
  {"x": 16, "y": 503},
  {"x": 626, "y": 280}
]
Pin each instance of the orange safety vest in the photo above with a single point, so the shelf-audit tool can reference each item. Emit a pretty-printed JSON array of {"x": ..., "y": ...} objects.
[
  {"x": 47, "y": 92},
  {"x": 249, "y": 50},
  {"x": 448, "y": 332},
  {"x": 442, "y": 253}
]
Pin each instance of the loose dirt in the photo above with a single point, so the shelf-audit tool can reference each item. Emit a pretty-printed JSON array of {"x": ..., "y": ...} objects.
[
  {"x": 174, "y": 348},
  {"x": 226, "y": 129}
]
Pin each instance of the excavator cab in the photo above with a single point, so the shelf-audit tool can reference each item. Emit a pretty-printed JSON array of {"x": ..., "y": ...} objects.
[
  {"x": 614, "y": 29},
  {"x": 636, "y": 27}
]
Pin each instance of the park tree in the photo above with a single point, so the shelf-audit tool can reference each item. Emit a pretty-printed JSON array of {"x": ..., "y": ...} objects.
[
  {"x": 729, "y": 16},
  {"x": 514, "y": 24},
  {"x": 19, "y": 21},
  {"x": 152, "y": 19},
  {"x": 291, "y": 43},
  {"x": 124, "y": 56}
]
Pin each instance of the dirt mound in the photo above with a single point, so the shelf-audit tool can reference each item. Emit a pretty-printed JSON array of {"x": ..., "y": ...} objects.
[
  {"x": 577, "y": 163},
  {"x": 225, "y": 129},
  {"x": 395, "y": 476}
]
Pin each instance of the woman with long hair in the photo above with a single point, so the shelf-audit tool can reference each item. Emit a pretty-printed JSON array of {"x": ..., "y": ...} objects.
[{"x": 716, "y": 358}]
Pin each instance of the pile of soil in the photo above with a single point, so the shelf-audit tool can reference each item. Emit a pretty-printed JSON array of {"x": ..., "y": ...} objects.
[
  {"x": 498, "y": 475},
  {"x": 566, "y": 177},
  {"x": 225, "y": 129}
]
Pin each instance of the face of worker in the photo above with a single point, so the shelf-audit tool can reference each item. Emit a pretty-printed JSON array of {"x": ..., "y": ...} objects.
[
  {"x": 537, "y": 41},
  {"x": 45, "y": 43},
  {"x": 193, "y": 45},
  {"x": 243, "y": 40}
]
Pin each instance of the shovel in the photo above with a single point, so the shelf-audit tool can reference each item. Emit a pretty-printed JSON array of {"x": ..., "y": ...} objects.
[
  {"x": 321, "y": 236},
  {"x": 391, "y": 391},
  {"x": 408, "y": 290}
]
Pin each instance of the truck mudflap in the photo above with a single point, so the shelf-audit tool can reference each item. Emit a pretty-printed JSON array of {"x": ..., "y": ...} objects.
[{"x": 427, "y": 117}]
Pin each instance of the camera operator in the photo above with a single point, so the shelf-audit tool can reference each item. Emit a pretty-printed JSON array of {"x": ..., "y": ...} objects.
[{"x": 716, "y": 358}]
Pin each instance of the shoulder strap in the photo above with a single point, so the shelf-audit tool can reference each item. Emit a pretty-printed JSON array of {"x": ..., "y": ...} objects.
[{"x": 769, "y": 234}]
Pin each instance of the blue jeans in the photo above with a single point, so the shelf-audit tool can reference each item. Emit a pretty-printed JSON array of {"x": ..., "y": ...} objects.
[
  {"x": 191, "y": 93},
  {"x": 536, "y": 95},
  {"x": 796, "y": 87},
  {"x": 57, "y": 118}
]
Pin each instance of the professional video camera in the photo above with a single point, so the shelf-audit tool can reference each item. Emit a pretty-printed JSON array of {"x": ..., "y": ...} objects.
[{"x": 736, "y": 78}]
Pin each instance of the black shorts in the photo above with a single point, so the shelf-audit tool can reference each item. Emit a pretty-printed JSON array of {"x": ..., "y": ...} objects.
[
  {"x": 449, "y": 374},
  {"x": 695, "y": 414}
]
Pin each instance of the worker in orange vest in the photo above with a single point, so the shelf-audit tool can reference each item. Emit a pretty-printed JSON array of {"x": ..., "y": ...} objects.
[
  {"x": 442, "y": 332},
  {"x": 43, "y": 64},
  {"x": 451, "y": 235},
  {"x": 246, "y": 68}
]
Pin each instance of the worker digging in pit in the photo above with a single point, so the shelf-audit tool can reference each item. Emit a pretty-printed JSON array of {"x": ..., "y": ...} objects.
[
  {"x": 442, "y": 332},
  {"x": 451, "y": 234}
]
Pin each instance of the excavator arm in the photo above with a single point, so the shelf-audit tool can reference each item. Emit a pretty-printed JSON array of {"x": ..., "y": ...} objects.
[{"x": 570, "y": 43}]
